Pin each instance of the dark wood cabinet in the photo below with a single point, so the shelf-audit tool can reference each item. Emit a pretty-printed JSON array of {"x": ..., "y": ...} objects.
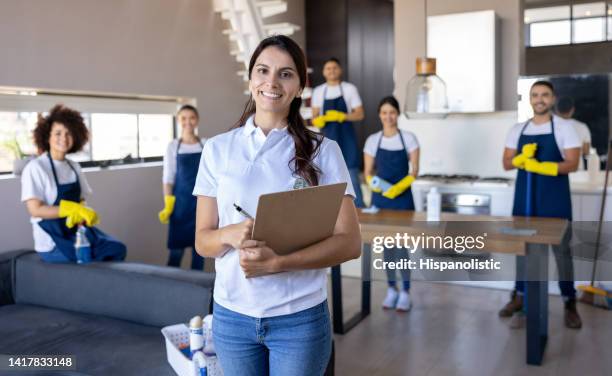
[{"x": 360, "y": 34}]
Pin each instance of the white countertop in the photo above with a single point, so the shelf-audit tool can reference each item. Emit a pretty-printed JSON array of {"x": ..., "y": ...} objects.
[{"x": 579, "y": 184}]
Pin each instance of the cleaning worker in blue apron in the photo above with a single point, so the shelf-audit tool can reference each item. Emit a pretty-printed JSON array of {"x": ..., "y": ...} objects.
[
  {"x": 181, "y": 164},
  {"x": 550, "y": 149},
  {"x": 336, "y": 105},
  {"x": 388, "y": 158},
  {"x": 52, "y": 188}
]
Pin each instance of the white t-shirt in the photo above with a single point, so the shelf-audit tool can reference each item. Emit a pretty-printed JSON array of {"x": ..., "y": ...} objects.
[
  {"x": 390, "y": 143},
  {"x": 351, "y": 95},
  {"x": 565, "y": 134},
  {"x": 582, "y": 129},
  {"x": 169, "y": 173},
  {"x": 37, "y": 182},
  {"x": 237, "y": 167}
]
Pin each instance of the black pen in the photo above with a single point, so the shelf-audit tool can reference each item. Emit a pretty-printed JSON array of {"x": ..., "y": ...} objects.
[{"x": 242, "y": 211}]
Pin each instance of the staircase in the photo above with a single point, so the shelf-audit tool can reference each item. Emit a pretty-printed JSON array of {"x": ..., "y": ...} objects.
[{"x": 247, "y": 26}]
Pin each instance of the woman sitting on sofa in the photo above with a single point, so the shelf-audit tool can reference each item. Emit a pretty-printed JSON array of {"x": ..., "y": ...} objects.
[{"x": 54, "y": 190}]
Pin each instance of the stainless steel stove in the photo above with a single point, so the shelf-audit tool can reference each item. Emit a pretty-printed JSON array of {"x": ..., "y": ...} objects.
[{"x": 466, "y": 194}]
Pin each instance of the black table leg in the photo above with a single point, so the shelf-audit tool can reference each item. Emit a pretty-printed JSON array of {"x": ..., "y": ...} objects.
[
  {"x": 536, "y": 301},
  {"x": 341, "y": 327}
]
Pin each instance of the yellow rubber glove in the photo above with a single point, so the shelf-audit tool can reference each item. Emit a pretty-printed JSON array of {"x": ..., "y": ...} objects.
[
  {"x": 399, "y": 187},
  {"x": 319, "y": 122},
  {"x": 527, "y": 152},
  {"x": 335, "y": 116},
  {"x": 519, "y": 161},
  {"x": 369, "y": 181},
  {"x": 164, "y": 215},
  {"x": 542, "y": 168},
  {"x": 76, "y": 213}
]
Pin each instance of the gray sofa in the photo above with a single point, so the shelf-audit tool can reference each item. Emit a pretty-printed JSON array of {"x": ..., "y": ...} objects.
[{"x": 108, "y": 315}]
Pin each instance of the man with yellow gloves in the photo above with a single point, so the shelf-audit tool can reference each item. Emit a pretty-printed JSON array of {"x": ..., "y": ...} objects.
[
  {"x": 335, "y": 106},
  {"x": 550, "y": 150},
  {"x": 392, "y": 155},
  {"x": 181, "y": 163}
]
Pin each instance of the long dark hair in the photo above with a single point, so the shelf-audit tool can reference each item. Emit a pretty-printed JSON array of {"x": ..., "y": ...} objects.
[{"x": 307, "y": 143}]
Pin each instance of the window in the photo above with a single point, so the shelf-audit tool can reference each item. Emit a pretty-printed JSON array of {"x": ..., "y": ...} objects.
[
  {"x": 119, "y": 127},
  {"x": 154, "y": 134},
  {"x": 550, "y": 33},
  {"x": 559, "y": 25},
  {"x": 589, "y": 22}
]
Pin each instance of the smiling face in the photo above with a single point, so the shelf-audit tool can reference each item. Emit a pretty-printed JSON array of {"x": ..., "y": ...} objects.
[
  {"x": 188, "y": 120},
  {"x": 332, "y": 71},
  {"x": 60, "y": 139},
  {"x": 542, "y": 99},
  {"x": 274, "y": 81},
  {"x": 388, "y": 115}
]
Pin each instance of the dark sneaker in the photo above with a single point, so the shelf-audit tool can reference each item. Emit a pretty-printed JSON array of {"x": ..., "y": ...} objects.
[
  {"x": 572, "y": 318},
  {"x": 514, "y": 305}
]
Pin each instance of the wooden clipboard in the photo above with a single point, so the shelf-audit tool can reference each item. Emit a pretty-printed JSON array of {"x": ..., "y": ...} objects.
[{"x": 291, "y": 220}]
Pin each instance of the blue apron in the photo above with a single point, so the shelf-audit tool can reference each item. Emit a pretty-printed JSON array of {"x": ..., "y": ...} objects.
[
  {"x": 550, "y": 195},
  {"x": 103, "y": 246},
  {"x": 342, "y": 133},
  {"x": 181, "y": 232},
  {"x": 393, "y": 166}
]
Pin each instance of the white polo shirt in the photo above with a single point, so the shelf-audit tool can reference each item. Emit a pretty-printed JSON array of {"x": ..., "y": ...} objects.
[{"x": 237, "y": 167}]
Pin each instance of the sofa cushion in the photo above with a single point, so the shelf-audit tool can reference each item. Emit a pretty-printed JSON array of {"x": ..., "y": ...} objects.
[
  {"x": 145, "y": 294},
  {"x": 102, "y": 346}
]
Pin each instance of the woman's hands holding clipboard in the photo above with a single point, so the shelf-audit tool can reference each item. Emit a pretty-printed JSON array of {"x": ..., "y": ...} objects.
[{"x": 256, "y": 259}]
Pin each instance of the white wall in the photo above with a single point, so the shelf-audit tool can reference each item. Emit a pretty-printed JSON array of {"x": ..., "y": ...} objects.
[
  {"x": 410, "y": 39},
  {"x": 462, "y": 144},
  {"x": 154, "y": 47}
]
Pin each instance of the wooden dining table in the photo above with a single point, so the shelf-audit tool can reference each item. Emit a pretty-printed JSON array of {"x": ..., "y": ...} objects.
[{"x": 529, "y": 237}]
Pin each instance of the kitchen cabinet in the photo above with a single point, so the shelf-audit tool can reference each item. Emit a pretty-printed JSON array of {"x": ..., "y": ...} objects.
[{"x": 465, "y": 46}]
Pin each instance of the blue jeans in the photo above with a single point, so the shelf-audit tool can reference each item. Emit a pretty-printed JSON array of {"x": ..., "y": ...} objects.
[
  {"x": 176, "y": 255},
  {"x": 296, "y": 344},
  {"x": 354, "y": 173},
  {"x": 565, "y": 265},
  {"x": 111, "y": 251},
  {"x": 397, "y": 255}
]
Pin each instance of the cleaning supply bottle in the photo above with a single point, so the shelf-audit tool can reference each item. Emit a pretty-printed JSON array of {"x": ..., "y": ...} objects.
[
  {"x": 380, "y": 183},
  {"x": 434, "y": 205},
  {"x": 209, "y": 346},
  {"x": 199, "y": 364},
  {"x": 196, "y": 335},
  {"x": 593, "y": 165},
  {"x": 82, "y": 246}
]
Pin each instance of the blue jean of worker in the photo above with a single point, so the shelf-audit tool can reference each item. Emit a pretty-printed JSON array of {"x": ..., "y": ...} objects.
[
  {"x": 114, "y": 252},
  {"x": 565, "y": 266},
  {"x": 296, "y": 344},
  {"x": 354, "y": 174},
  {"x": 396, "y": 255},
  {"x": 176, "y": 256}
]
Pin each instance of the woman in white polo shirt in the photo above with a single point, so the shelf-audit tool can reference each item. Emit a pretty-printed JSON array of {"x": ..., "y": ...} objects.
[{"x": 270, "y": 311}]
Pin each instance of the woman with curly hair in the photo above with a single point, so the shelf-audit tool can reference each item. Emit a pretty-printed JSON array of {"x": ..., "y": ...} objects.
[{"x": 54, "y": 190}]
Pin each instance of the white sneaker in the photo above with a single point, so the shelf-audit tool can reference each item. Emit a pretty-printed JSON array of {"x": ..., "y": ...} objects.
[
  {"x": 403, "y": 302},
  {"x": 390, "y": 299}
]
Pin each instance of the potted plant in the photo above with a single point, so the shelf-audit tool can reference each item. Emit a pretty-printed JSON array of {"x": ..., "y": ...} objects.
[{"x": 21, "y": 159}]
